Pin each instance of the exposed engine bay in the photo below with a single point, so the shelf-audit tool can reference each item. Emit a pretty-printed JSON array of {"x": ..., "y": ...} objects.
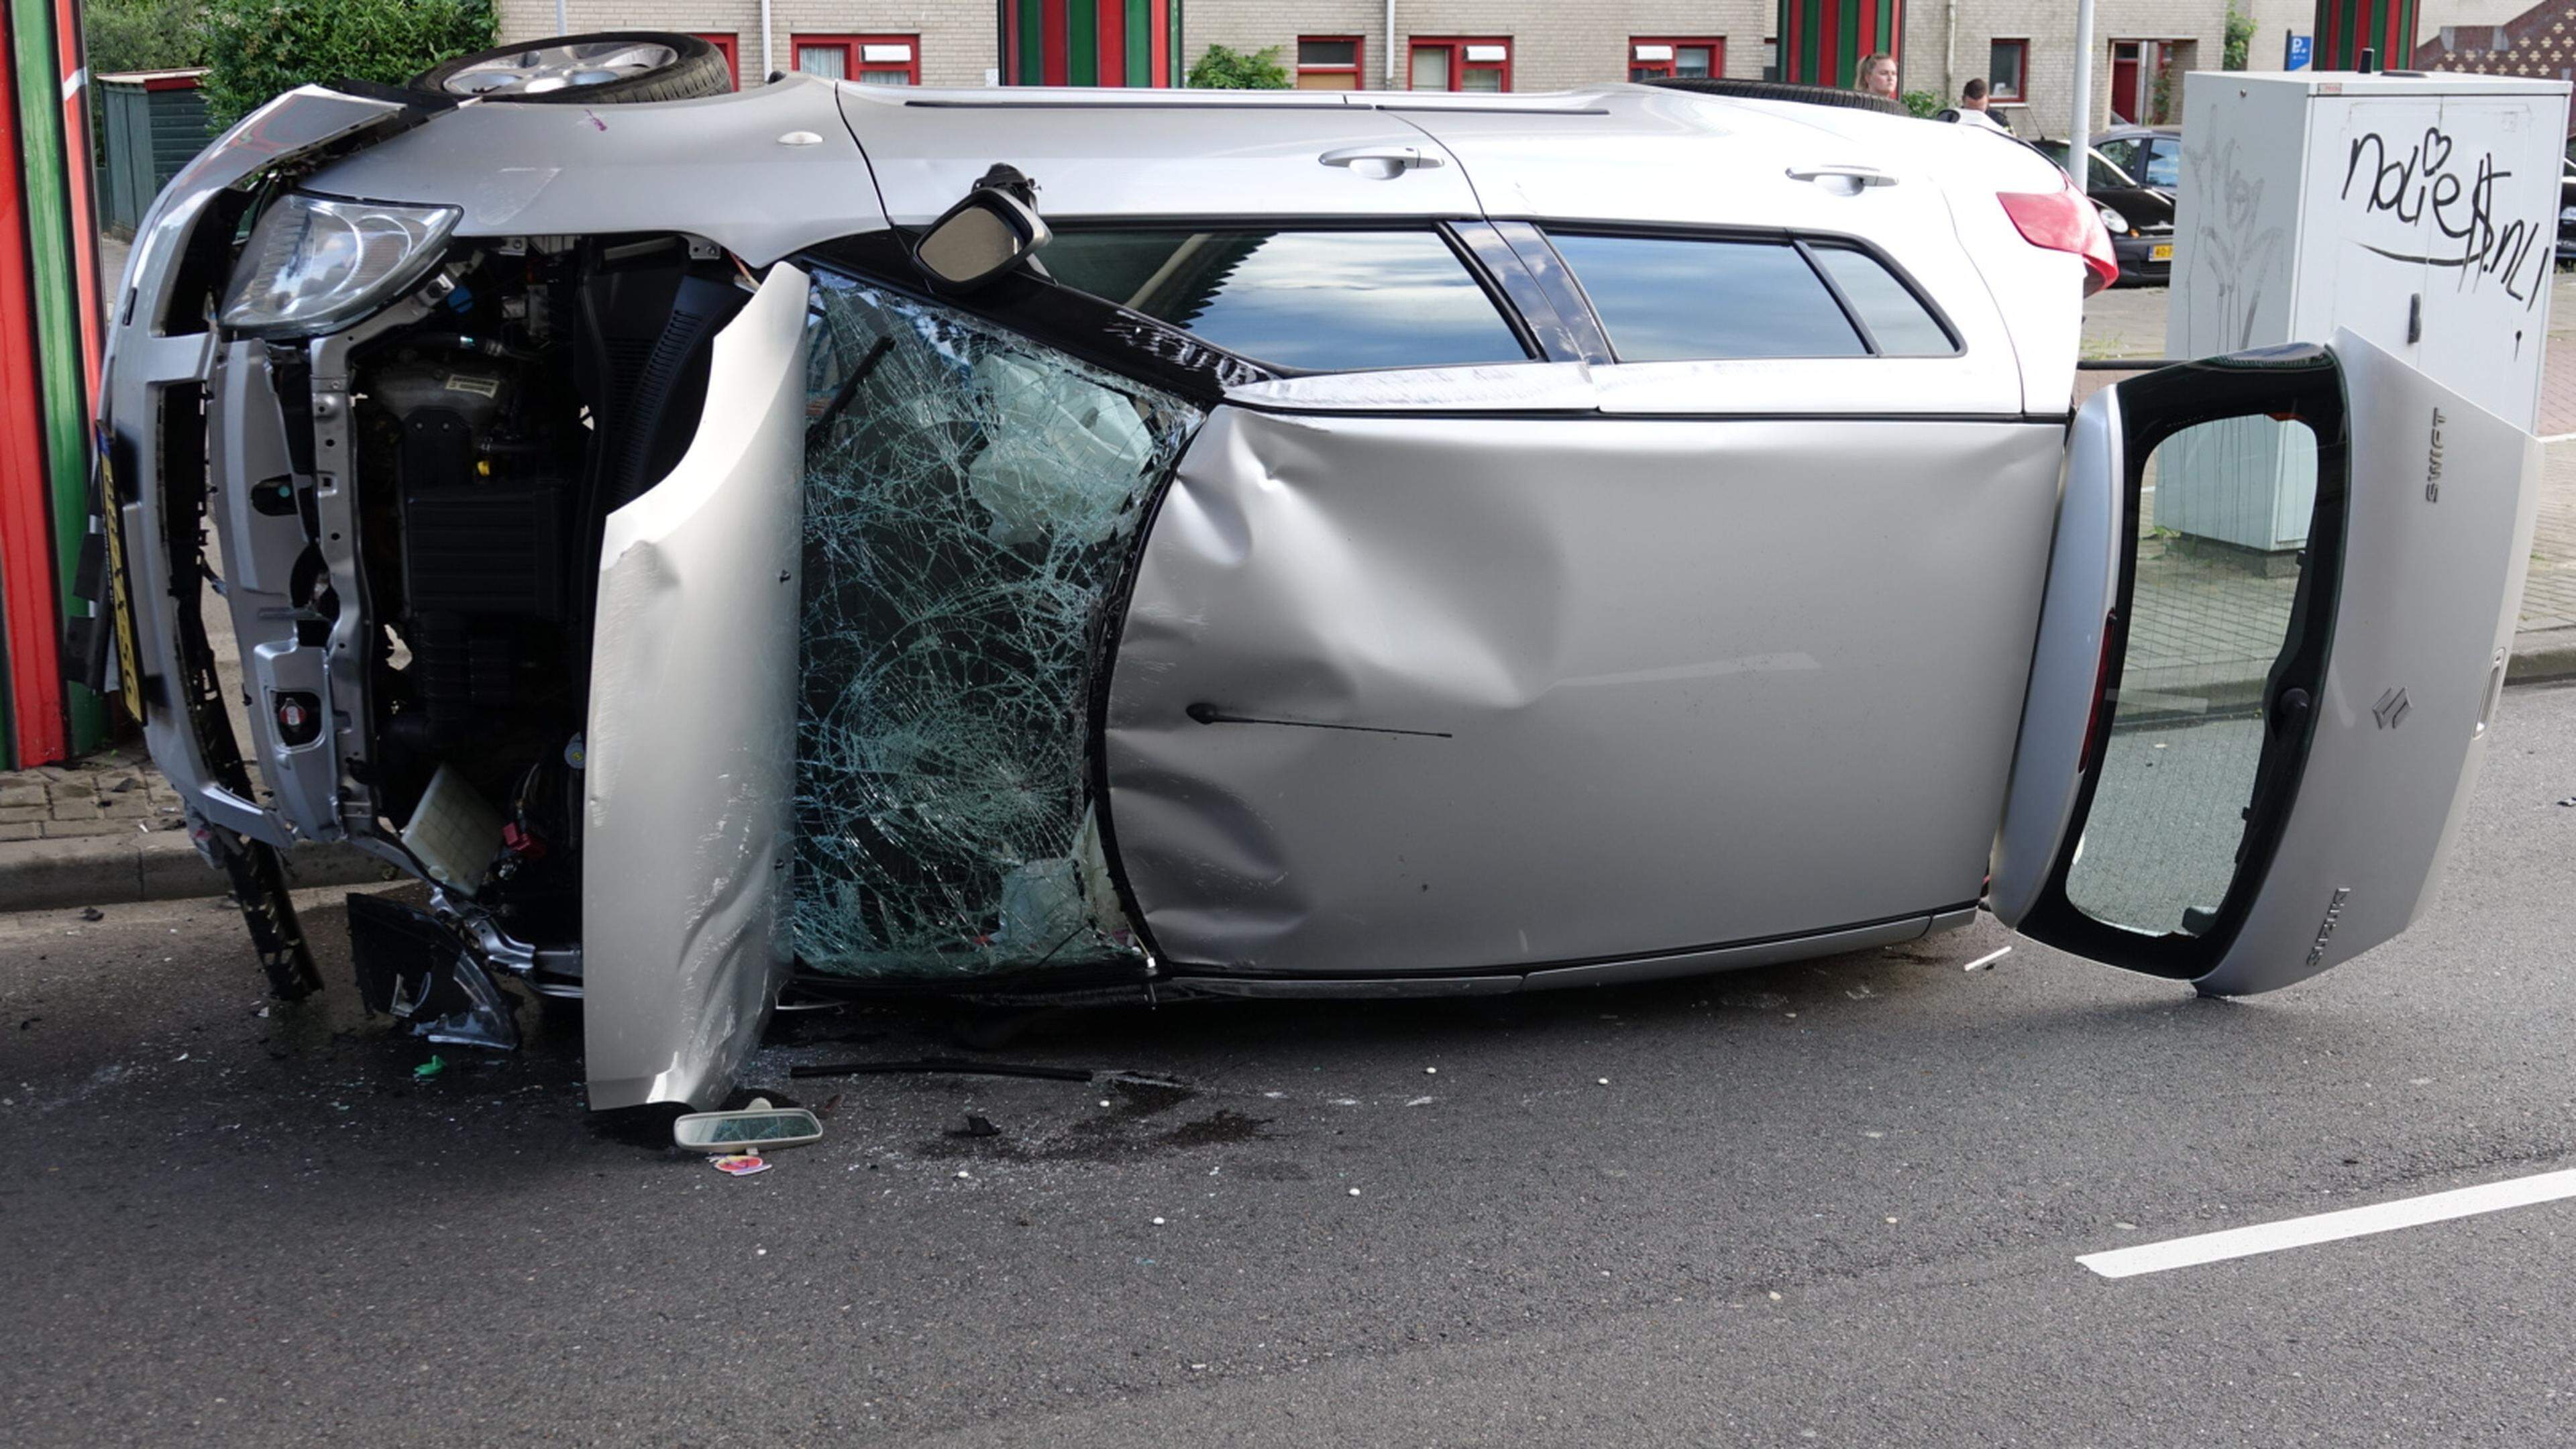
[
  {"x": 526, "y": 389},
  {"x": 551, "y": 384}
]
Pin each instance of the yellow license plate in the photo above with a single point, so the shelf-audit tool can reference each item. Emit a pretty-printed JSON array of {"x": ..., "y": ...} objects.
[
  {"x": 2160, "y": 252},
  {"x": 120, "y": 604}
]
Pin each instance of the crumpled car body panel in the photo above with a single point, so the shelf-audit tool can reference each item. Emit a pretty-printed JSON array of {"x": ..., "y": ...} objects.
[
  {"x": 1439, "y": 694},
  {"x": 691, "y": 739},
  {"x": 148, "y": 355}
]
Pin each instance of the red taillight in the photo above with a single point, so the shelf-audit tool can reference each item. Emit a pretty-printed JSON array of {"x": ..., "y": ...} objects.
[
  {"x": 2064, "y": 220},
  {"x": 2100, "y": 714}
]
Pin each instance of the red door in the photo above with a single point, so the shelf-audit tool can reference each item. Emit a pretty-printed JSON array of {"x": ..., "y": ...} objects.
[{"x": 2124, "y": 81}]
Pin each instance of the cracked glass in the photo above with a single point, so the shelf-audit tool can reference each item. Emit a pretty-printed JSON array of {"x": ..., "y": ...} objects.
[{"x": 971, "y": 501}]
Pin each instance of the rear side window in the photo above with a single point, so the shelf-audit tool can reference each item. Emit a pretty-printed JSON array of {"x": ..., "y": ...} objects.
[
  {"x": 1668, "y": 300},
  {"x": 1674, "y": 299},
  {"x": 1323, "y": 301},
  {"x": 1894, "y": 317}
]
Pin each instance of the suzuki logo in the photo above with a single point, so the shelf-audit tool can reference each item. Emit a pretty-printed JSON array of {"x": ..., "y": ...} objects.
[
  {"x": 2433, "y": 461},
  {"x": 2392, "y": 709},
  {"x": 2326, "y": 927}
]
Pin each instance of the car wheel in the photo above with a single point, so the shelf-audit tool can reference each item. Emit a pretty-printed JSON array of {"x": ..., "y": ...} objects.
[
  {"x": 1762, "y": 90},
  {"x": 614, "y": 67}
]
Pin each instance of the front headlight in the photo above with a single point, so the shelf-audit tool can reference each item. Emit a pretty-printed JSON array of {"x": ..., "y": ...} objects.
[
  {"x": 2118, "y": 224},
  {"x": 317, "y": 265}
]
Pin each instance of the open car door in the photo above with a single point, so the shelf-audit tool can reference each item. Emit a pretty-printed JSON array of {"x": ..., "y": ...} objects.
[
  {"x": 2240, "y": 768},
  {"x": 691, "y": 743}
]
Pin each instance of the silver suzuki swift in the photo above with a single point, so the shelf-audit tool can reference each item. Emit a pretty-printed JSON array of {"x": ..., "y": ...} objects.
[{"x": 1125, "y": 544}]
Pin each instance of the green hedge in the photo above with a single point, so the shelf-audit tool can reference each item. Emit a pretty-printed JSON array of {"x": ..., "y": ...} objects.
[
  {"x": 142, "y": 35},
  {"x": 1223, "y": 68},
  {"x": 258, "y": 48}
]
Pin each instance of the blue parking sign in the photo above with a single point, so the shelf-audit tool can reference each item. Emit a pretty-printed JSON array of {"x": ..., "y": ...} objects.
[{"x": 2302, "y": 49}]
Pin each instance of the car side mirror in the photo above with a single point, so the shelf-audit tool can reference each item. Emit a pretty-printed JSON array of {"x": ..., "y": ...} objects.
[
  {"x": 753, "y": 1130},
  {"x": 979, "y": 238}
]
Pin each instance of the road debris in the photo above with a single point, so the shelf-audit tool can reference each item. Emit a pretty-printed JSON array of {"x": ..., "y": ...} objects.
[
  {"x": 953, "y": 1065},
  {"x": 740, "y": 1164},
  {"x": 1988, "y": 959},
  {"x": 976, "y": 1126},
  {"x": 93, "y": 913},
  {"x": 429, "y": 1069}
]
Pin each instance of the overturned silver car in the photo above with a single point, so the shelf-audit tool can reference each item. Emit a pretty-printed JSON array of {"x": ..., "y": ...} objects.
[{"x": 1307, "y": 545}]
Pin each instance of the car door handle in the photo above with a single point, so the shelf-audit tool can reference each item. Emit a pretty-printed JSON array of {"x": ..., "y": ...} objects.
[
  {"x": 1381, "y": 163},
  {"x": 1851, "y": 178}
]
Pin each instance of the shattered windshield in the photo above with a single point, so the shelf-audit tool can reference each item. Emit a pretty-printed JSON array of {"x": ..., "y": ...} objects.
[{"x": 971, "y": 501}]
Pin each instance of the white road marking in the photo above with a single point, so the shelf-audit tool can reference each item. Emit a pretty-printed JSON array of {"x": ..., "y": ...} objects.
[{"x": 2357, "y": 1222}]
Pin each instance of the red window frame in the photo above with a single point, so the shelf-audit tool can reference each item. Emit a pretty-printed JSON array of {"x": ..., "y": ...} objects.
[
  {"x": 2021, "y": 90},
  {"x": 1457, "y": 45},
  {"x": 1357, "y": 70},
  {"x": 723, "y": 41},
  {"x": 1716, "y": 45},
  {"x": 851, "y": 65}
]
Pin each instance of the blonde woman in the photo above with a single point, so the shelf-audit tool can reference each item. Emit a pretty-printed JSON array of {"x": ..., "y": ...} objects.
[{"x": 1878, "y": 74}]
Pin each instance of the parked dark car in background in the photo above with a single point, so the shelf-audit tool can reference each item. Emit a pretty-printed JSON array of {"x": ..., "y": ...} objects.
[
  {"x": 2137, "y": 206},
  {"x": 2567, "y": 209},
  {"x": 2152, "y": 154}
]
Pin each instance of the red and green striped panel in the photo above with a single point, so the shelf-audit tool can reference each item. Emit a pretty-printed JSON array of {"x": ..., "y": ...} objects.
[
  {"x": 1090, "y": 42},
  {"x": 2346, "y": 28},
  {"x": 1822, "y": 41},
  {"x": 45, "y": 350}
]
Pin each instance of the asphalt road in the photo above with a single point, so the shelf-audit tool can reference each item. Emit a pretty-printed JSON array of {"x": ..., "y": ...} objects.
[{"x": 1834, "y": 1203}]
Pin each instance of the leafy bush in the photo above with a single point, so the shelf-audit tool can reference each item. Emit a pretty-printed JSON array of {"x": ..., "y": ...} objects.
[
  {"x": 1227, "y": 69},
  {"x": 257, "y": 48},
  {"x": 2239, "y": 41},
  {"x": 127, "y": 35},
  {"x": 1924, "y": 104}
]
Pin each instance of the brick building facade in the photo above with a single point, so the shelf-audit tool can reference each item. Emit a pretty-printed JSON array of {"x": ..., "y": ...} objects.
[
  {"x": 1520, "y": 45},
  {"x": 2539, "y": 42}
]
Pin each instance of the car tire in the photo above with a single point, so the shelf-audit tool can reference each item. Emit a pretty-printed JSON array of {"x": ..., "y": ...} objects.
[
  {"x": 1762, "y": 90},
  {"x": 696, "y": 69}
]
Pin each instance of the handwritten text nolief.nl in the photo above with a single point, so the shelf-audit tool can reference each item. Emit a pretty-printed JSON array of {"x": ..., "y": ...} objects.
[{"x": 2420, "y": 185}]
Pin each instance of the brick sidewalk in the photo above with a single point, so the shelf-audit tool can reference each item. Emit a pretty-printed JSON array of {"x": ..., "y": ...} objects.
[{"x": 115, "y": 793}]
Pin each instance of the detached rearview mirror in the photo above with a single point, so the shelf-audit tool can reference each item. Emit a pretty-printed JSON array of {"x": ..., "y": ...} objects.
[
  {"x": 754, "y": 1130},
  {"x": 980, "y": 238}
]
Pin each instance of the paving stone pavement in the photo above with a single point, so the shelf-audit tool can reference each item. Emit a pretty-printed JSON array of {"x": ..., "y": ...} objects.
[{"x": 110, "y": 794}]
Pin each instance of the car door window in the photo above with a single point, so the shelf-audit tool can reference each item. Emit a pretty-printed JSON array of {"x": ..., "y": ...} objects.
[
  {"x": 2164, "y": 163},
  {"x": 1674, "y": 299},
  {"x": 1666, "y": 299},
  {"x": 1896, "y": 319},
  {"x": 1324, "y": 301},
  {"x": 2123, "y": 154}
]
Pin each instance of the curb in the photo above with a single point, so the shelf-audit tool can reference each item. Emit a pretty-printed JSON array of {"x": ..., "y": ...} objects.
[
  {"x": 55, "y": 875},
  {"x": 64, "y": 875},
  {"x": 2540, "y": 655}
]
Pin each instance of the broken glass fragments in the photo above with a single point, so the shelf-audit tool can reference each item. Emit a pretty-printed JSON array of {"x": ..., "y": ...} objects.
[{"x": 972, "y": 499}]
